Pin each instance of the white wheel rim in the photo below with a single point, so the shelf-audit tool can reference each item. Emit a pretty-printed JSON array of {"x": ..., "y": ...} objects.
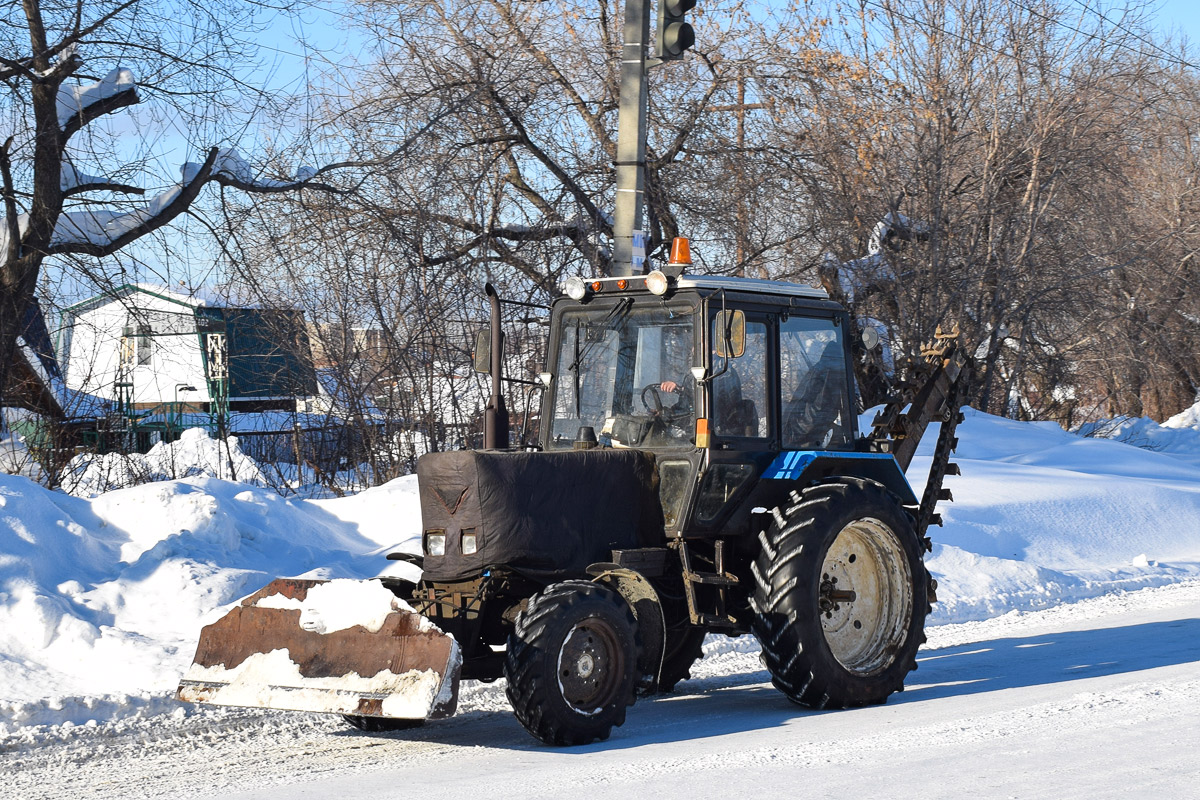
[{"x": 865, "y": 597}]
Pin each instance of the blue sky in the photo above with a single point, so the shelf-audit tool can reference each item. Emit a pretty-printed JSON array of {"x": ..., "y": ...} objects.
[
  {"x": 1181, "y": 14},
  {"x": 326, "y": 30}
]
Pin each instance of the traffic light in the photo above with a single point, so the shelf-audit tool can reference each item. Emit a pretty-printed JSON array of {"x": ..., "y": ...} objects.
[{"x": 674, "y": 33}]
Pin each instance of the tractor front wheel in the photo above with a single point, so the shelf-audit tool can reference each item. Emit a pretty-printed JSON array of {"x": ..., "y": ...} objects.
[{"x": 571, "y": 663}]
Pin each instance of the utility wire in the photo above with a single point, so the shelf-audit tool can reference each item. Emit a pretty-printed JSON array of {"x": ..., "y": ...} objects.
[{"x": 1170, "y": 56}]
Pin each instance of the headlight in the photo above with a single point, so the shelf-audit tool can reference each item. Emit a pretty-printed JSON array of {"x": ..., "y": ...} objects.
[
  {"x": 469, "y": 543},
  {"x": 435, "y": 543},
  {"x": 656, "y": 282},
  {"x": 575, "y": 288}
]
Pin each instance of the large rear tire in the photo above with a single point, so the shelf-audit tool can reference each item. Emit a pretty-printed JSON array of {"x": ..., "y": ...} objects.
[
  {"x": 841, "y": 595},
  {"x": 571, "y": 663},
  {"x": 683, "y": 649}
]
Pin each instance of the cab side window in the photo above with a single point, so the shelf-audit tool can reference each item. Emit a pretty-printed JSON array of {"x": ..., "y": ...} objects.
[
  {"x": 813, "y": 385},
  {"x": 740, "y": 405}
]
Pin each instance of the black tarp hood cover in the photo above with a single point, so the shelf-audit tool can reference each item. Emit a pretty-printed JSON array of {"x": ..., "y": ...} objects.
[{"x": 547, "y": 515}]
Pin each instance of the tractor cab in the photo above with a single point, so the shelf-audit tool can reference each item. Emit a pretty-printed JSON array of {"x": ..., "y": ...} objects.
[{"x": 717, "y": 376}]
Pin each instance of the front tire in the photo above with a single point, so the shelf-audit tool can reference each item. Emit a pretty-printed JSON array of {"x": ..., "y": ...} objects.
[
  {"x": 572, "y": 662},
  {"x": 841, "y": 595}
]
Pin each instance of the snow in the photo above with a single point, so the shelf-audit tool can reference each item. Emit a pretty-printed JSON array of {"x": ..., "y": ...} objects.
[
  {"x": 102, "y": 596},
  {"x": 194, "y": 453},
  {"x": 230, "y": 164},
  {"x": 71, "y": 178},
  {"x": 105, "y": 597},
  {"x": 73, "y": 99},
  {"x": 1042, "y": 516}
]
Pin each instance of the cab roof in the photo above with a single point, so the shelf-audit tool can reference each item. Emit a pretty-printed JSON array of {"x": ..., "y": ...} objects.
[{"x": 755, "y": 285}]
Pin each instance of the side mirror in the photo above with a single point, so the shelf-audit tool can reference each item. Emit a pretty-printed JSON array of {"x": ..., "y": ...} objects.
[
  {"x": 482, "y": 357},
  {"x": 730, "y": 330}
]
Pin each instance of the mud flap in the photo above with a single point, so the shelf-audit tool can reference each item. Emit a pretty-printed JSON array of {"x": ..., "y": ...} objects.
[{"x": 342, "y": 647}]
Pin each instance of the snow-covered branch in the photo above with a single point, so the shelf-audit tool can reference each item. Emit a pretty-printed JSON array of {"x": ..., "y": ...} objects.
[
  {"x": 72, "y": 182},
  {"x": 79, "y": 105},
  {"x": 100, "y": 232},
  {"x": 230, "y": 169}
]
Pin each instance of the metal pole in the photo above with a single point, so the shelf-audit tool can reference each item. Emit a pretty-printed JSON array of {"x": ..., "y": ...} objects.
[{"x": 631, "y": 135}]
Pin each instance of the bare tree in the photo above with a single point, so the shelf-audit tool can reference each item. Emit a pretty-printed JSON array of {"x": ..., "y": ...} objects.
[
  {"x": 69, "y": 179},
  {"x": 981, "y": 166}
]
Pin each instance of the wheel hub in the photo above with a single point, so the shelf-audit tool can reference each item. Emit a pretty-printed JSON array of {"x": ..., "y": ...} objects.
[
  {"x": 590, "y": 664},
  {"x": 865, "y": 596}
]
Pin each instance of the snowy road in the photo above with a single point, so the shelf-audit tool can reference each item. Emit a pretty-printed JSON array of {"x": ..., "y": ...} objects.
[{"x": 1092, "y": 699}]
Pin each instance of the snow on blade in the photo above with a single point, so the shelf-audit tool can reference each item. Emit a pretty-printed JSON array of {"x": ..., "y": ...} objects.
[
  {"x": 341, "y": 604},
  {"x": 273, "y": 680}
]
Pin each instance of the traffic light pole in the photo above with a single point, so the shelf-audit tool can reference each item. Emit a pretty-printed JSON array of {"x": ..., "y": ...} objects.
[{"x": 631, "y": 136}]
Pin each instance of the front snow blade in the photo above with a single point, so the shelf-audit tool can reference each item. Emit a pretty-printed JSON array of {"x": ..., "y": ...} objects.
[{"x": 341, "y": 646}]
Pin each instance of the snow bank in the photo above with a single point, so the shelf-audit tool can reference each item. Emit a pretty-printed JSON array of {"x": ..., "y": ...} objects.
[
  {"x": 103, "y": 599},
  {"x": 194, "y": 453},
  {"x": 1042, "y": 516},
  {"x": 1178, "y": 437}
]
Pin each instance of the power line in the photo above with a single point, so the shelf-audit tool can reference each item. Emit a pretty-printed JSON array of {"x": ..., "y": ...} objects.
[{"x": 1170, "y": 56}]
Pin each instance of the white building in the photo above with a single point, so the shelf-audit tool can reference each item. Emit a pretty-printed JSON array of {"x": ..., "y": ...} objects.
[{"x": 144, "y": 348}]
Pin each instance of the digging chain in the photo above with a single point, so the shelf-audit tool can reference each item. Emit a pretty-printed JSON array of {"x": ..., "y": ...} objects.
[{"x": 935, "y": 389}]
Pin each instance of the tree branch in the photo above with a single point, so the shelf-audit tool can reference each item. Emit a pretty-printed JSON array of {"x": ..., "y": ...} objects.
[
  {"x": 92, "y": 111},
  {"x": 180, "y": 204},
  {"x": 10, "y": 205},
  {"x": 568, "y": 183},
  {"x": 103, "y": 186}
]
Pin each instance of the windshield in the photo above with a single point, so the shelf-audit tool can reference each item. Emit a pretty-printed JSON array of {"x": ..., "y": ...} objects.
[{"x": 625, "y": 371}]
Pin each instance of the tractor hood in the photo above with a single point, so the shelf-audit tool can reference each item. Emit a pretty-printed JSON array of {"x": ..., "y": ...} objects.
[{"x": 542, "y": 514}]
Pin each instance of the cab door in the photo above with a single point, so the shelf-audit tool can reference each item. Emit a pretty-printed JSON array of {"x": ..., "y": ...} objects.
[{"x": 815, "y": 399}]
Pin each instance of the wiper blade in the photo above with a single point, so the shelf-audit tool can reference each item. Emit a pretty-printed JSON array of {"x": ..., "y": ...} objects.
[{"x": 611, "y": 321}]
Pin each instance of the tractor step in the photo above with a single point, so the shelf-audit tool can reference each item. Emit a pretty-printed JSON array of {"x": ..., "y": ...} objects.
[
  {"x": 710, "y": 608},
  {"x": 711, "y": 578}
]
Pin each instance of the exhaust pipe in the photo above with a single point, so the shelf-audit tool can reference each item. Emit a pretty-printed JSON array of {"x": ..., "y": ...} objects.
[{"x": 495, "y": 416}]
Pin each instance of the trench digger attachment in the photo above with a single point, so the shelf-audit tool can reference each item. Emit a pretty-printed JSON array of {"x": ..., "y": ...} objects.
[{"x": 342, "y": 646}]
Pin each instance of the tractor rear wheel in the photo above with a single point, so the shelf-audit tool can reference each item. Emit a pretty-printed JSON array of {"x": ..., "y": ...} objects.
[
  {"x": 571, "y": 663},
  {"x": 841, "y": 595},
  {"x": 683, "y": 649}
]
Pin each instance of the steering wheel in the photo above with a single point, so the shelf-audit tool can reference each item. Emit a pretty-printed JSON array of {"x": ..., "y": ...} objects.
[
  {"x": 659, "y": 411},
  {"x": 655, "y": 405}
]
